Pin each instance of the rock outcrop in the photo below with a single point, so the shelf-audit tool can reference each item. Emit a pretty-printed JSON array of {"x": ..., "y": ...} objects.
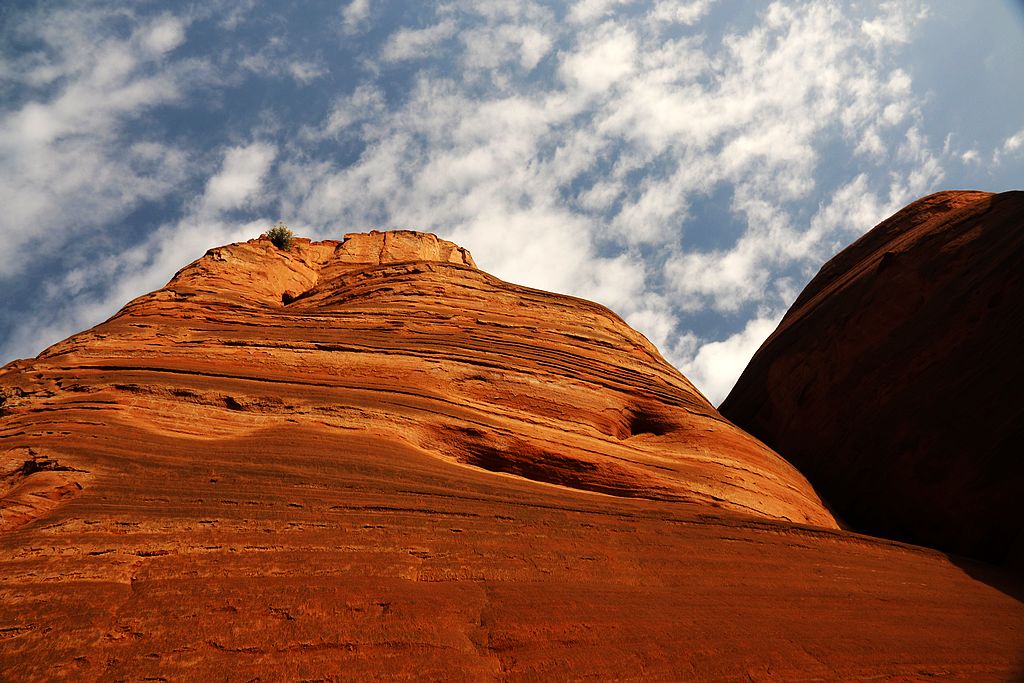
[
  {"x": 895, "y": 382},
  {"x": 369, "y": 459}
]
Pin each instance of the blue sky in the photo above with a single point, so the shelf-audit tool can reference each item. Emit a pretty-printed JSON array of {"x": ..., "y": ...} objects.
[{"x": 688, "y": 164}]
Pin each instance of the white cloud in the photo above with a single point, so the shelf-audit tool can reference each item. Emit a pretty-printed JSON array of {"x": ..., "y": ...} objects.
[
  {"x": 1014, "y": 142},
  {"x": 354, "y": 15},
  {"x": 407, "y": 43},
  {"x": 165, "y": 34},
  {"x": 1011, "y": 147},
  {"x": 275, "y": 59},
  {"x": 673, "y": 12},
  {"x": 365, "y": 103},
  {"x": 717, "y": 365},
  {"x": 232, "y": 13},
  {"x": 68, "y": 165},
  {"x": 76, "y": 304},
  {"x": 893, "y": 23},
  {"x": 601, "y": 60},
  {"x": 128, "y": 274},
  {"x": 537, "y": 180},
  {"x": 852, "y": 209},
  {"x": 658, "y": 322},
  {"x": 306, "y": 72},
  {"x": 240, "y": 178},
  {"x": 493, "y": 47},
  {"x": 724, "y": 280},
  {"x": 586, "y": 11},
  {"x": 575, "y": 151}
]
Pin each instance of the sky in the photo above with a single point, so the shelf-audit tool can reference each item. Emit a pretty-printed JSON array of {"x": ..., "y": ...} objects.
[{"x": 689, "y": 164}]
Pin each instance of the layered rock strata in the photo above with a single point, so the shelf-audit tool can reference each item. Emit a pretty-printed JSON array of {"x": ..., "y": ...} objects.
[{"x": 369, "y": 459}]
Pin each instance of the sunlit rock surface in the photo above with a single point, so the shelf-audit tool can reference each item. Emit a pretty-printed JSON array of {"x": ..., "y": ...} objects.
[{"x": 369, "y": 459}]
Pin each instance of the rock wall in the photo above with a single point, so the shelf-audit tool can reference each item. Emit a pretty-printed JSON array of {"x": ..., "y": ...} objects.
[
  {"x": 895, "y": 380},
  {"x": 367, "y": 459}
]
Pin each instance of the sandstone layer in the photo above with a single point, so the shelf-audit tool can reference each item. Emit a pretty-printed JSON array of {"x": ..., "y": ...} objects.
[
  {"x": 369, "y": 459},
  {"x": 895, "y": 380}
]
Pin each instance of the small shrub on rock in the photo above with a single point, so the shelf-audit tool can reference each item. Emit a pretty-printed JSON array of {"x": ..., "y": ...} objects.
[{"x": 281, "y": 236}]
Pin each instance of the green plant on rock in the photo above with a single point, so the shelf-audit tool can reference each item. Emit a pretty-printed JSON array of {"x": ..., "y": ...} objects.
[{"x": 281, "y": 236}]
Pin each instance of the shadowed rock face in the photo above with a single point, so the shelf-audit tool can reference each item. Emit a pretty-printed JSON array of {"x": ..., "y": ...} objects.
[
  {"x": 895, "y": 380},
  {"x": 367, "y": 458}
]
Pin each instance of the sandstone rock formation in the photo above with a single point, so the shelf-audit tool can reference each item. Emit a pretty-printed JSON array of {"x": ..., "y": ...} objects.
[
  {"x": 369, "y": 459},
  {"x": 895, "y": 380}
]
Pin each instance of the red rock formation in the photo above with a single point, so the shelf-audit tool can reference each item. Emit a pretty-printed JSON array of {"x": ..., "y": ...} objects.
[
  {"x": 368, "y": 459},
  {"x": 895, "y": 380}
]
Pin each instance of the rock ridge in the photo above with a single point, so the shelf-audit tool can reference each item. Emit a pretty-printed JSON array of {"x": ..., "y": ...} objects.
[
  {"x": 582, "y": 400},
  {"x": 257, "y": 271}
]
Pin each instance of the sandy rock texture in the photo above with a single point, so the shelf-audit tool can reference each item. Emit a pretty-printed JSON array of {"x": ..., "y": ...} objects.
[
  {"x": 368, "y": 459},
  {"x": 895, "y": 382}
]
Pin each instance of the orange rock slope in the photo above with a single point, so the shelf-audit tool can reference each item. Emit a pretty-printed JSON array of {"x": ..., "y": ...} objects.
[
  {"x": 368, "y": 459},
  {"x": 895, "y": 380}
]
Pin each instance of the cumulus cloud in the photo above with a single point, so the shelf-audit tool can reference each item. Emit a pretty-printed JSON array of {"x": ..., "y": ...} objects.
[
  {"x": 971, "y": 156},
  {"x": 361, "y": 106},
  {"x": 1014, "y": 142},
  {"x": 128, "y": 274},
  {"x": 239, "y": 178},
  {"x": 1008, "y": 149},
  {"x": 716, "y": 365},
  {"x": 164, "y": 34},
  {"x": 570, "y": 184},
  {"x": 656, "y": 157},
  {"x": 586, "y": 11},
  {"x": 75, "y": 303},
  {"x": 354, "y": 15},
  {"x": 67, "y": 163},
  {"x": 893, "y": 23},
  {"x": 606, "y": 57},
  {"x": 306, "y": 72},
  {"x": 406, "y": 43},
  {"x": 493, "y": 47},
  {"x": 669, "y": 11}
]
